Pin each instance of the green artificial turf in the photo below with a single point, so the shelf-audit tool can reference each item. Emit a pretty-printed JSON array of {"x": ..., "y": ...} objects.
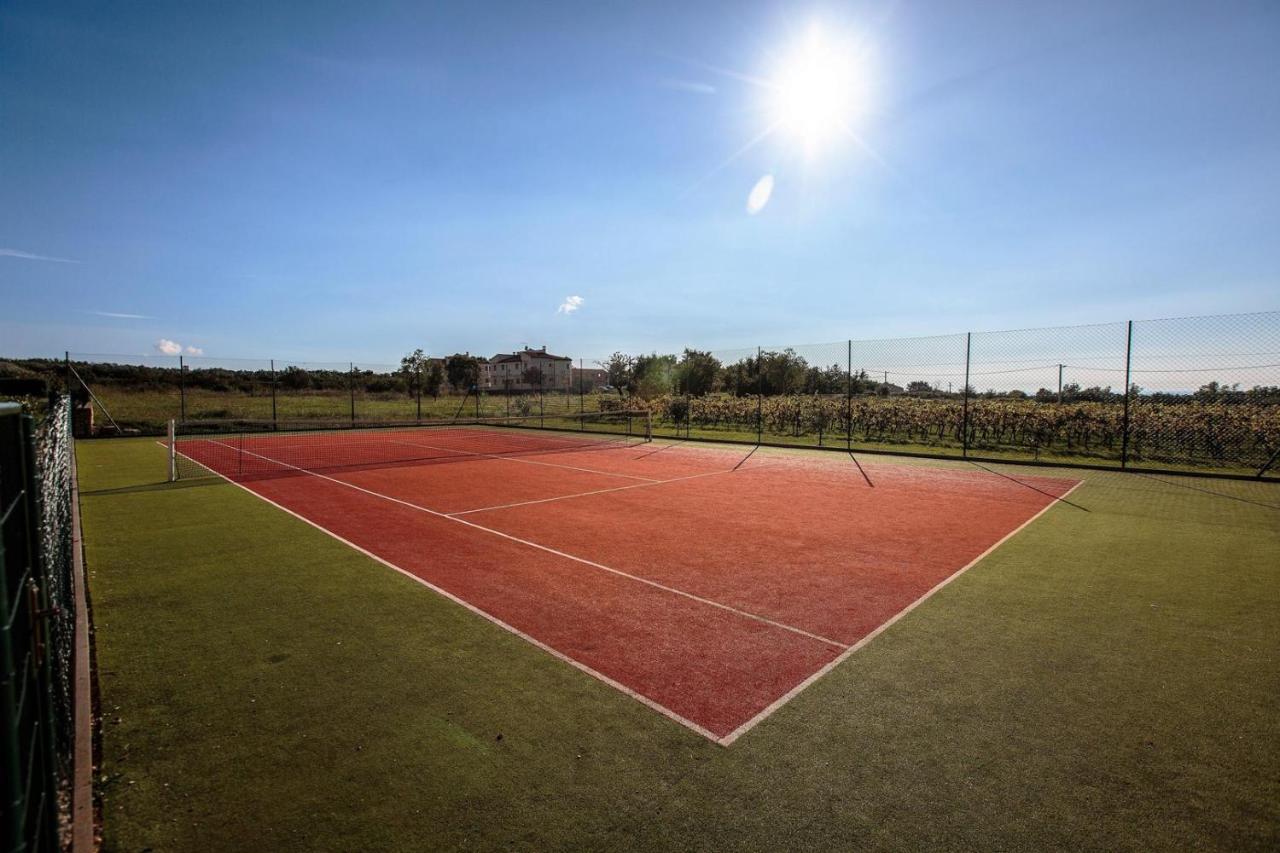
[{"x": 1107, "y": 679}]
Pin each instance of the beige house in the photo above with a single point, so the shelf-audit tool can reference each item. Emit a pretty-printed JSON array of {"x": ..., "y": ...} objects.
[{"x": 527, "y": 370}]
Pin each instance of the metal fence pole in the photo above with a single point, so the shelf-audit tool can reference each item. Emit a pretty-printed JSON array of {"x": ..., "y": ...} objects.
[
  {"x": 542, "y": 411},
  {"x": 273, "y": 393},
  {"x": 1124, "y": 439},
  {"x": 582, "y": 389},
  {"x": 848, "y": 399},
  {"x": 759, "y": 396},
  {"x": 182, "y": 388},
  {"x": 351, "y": 380},
  {"x": 67, "y": 373},
  {"x": 417, "y": 382},
  {"x": 964, "y": 424}
]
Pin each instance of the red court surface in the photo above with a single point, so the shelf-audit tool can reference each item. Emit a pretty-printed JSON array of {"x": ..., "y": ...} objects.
[{"x": 711, "y": 588}]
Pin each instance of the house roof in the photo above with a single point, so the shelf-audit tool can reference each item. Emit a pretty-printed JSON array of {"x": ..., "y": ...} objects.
[{"x": 507, "y": 357}]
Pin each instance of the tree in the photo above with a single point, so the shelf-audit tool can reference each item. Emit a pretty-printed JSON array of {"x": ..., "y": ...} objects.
[
  {"x": 433, "y": 377},
  {"x": 411, "y": 369},
  {"x": 463, "y": 370},
  {"x": 532, "y": 376},
  {"x": 618, "y": 367},
  {"x": 782, "y": 372},
  {"x": 825, "y": 380},
  {"x": 295, "y": 378},
  {"x": 697, "y": 372},
  {"x": 919, "y": 386},
  {"x": 652, "y": 375}
]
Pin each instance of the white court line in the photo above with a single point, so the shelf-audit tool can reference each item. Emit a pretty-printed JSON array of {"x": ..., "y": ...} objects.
[
  {"x": 587, "y": 494},
  {"x": 531, "y": 544},
  {"x": 795, "y": 691},
  {"x": 726, "y": 740}
]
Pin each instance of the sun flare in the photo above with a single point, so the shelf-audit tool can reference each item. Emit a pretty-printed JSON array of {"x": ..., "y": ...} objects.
[{"x": 819, "y": 90}]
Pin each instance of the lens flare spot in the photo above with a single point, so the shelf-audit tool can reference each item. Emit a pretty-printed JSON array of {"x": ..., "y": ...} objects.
[{"x": 760, "y": 195}]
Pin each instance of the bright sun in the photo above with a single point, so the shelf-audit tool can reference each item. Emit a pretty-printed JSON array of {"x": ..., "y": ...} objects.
[{"x": 819, "y": 91}]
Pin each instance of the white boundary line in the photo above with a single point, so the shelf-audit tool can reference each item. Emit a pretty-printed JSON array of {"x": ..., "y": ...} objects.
[
  {"x": 795, "y": 691},
  {"x": 731, "y": 737},
  {"x": 531, "y": 544}
]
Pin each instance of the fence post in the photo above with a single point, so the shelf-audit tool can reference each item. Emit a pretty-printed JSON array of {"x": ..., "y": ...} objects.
[
  {"x": 1124, "y": 439},
  {"x": 582, "y": 389},
  {"x": 542, "y": 411},
  {"x": 964, "y": 424},
  {"x": 351, "y": 380},
  {"x": 759, "y": 397},
  {"x": 848, "y": 399},
  {"x": 67, "y": 370},
  {"x": 273, "y": 393},
  {"x": 182, "y": 388},
  {"x": 417, "y": 383}
]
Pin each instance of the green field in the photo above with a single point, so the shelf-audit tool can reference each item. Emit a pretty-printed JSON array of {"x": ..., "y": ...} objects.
[
  {"x": 149, "y": 410},
  {"x": 1107, "y": 679}
]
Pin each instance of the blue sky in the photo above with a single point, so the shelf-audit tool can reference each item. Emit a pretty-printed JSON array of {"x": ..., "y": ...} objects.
[{"x": 350, "y": 181}]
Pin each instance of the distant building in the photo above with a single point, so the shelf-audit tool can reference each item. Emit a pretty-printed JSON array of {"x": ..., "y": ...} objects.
[{"x": 527, "y": 370}]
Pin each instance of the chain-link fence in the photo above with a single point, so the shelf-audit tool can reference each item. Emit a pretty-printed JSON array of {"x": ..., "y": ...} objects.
[
  {"x": 1192, "y": 394},
  {"x": 37, "y": 625},
  {"x": 1198, "y": 393}
]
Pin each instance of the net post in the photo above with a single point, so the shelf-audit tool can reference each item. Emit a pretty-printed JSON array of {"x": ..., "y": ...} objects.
[
  {"x": 173, "y": 455},
  {"x": 1124, "y": 438},
  {"x": 964, "y": 423}
]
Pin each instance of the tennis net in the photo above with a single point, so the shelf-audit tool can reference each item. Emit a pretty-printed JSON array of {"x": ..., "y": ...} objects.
[{"x": 243, "y": 449}]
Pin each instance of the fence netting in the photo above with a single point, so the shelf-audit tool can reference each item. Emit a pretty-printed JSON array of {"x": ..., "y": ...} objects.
[
  {"x": 37, "y": 624},
  {"x": 1183, "y": 394}
]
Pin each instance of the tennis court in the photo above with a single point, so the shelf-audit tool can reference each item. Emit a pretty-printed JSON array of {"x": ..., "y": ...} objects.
[{"x": 711, "y": 584}]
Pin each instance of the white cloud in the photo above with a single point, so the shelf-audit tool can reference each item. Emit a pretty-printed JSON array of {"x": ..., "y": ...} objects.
[
  {"x": 570, "y": 304},
  {"x": 120, "y": 316},
  {"x": 760, "y": 195},
  {"x": 16, "y": 253},
  {"x": 164, "y": 346}
]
